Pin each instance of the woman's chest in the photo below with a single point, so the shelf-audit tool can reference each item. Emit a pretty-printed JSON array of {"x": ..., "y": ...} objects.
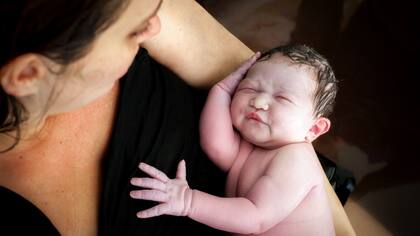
[
  {"x": 61, "y": 175},
  {"x": 68, "y": 194},
  {"x": 64, "y": 185}
]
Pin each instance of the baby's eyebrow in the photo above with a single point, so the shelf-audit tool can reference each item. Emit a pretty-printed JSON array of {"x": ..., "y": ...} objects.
[{"x": 246, "y": 82}]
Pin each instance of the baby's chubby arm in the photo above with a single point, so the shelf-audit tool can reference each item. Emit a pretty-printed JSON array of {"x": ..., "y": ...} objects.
[
  {"x": 238, "y": 215},
  {"x": 274, "y": 196},
  {"x": 218, "y": 138},
  {"x": 270, "y": 200}
]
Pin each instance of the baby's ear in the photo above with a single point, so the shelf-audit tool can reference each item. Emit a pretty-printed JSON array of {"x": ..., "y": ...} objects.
[
  {"x": 320, "y": 126},
  {"x": 21, "y": 76}
]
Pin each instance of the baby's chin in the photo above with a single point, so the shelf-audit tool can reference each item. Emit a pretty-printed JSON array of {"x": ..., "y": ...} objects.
[{"x": 263, "y": 143}]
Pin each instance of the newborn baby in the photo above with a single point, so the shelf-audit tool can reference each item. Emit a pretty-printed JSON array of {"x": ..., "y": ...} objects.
[{"x": 258, "y": 125}]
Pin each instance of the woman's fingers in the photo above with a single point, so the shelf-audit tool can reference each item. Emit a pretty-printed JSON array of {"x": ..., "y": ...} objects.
[
  {"x": 152, "y": 171},
  {"x": 149, "y": 183},
  {"x": 158, "y": 210},
  {"x": 151, "y": 195}
]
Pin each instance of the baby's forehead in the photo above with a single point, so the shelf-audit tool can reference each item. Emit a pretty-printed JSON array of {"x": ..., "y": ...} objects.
[
  {"x": 279, "y": 58},
  {"x": 276, "y": 57},
  {"x": 277, "y": 61},
  {"x": 279, "y": 72}
]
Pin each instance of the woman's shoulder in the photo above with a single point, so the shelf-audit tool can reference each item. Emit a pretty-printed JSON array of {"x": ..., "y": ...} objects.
[{"x": 149, "y": 84}]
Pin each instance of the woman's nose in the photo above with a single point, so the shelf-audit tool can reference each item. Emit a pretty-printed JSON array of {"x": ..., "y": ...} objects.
[{"x": 261, "y": 101}]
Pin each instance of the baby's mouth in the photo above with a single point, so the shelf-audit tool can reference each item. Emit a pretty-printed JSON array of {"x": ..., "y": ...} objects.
[{"x": 254, "y": 116}]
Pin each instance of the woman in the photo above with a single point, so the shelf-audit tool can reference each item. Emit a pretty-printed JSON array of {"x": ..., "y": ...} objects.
[{"x": 72, "y": 133}]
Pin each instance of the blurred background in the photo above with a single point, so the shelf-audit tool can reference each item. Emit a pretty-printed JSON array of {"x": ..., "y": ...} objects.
[{"x": 373, "y": 48}]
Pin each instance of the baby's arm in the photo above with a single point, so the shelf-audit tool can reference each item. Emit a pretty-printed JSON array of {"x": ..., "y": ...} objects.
[
  {"x": 271, "y": 199},
  {"x": 218, "y": 138}
]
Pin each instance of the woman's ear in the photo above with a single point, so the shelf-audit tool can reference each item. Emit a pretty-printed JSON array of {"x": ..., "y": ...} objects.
[
  {"x": 320, "y": 126},
  {"x": 21, "y": 76}
]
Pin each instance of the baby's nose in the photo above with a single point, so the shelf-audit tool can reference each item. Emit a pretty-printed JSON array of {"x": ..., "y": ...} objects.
[{"x": 261, "y": 102}]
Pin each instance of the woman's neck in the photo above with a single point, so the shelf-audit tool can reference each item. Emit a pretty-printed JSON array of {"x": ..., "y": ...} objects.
[
  {"x": 37, "y": 130},
  {"x": 29, "y": 134}
]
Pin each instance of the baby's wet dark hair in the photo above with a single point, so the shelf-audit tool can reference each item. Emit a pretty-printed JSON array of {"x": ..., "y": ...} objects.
[{"x": 326, "y": 89}]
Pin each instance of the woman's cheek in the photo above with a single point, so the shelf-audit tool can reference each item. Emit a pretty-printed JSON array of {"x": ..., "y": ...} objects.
[
  {"x": 125, "y": 63},
  {"x": 121, "y": 71}
]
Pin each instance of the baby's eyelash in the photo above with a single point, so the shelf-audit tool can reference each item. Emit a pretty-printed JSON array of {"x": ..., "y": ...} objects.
[
  {"x": 247, "y": 89},
  {"x": 280, "y": 97}
]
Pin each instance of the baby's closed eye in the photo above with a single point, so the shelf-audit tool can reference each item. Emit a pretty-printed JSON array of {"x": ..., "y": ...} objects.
[
  {"x": 247, "y": 89},
  {"x": 282, "y": 98}
]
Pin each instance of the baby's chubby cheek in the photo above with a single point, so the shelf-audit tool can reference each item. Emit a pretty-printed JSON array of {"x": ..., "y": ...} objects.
[
  {"x": 239, "y": 122},
  {"x": 235, "y": 115}
]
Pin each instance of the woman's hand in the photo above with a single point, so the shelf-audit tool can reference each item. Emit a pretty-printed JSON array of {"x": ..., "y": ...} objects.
[
  {"x": 231, "y": 81},
  {"x": 174, "y": 194}
]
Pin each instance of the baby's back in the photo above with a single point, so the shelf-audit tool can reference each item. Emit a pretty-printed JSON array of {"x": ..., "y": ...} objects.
[{"x": 300, "y": 201}]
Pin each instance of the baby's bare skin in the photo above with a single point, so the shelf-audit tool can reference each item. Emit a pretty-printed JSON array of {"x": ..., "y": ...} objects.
[
  {"x": 311, "y": 216},
  {"x": 275, "y": 182}
]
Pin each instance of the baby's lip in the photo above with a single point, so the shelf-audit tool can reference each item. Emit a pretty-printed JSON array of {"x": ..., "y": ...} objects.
[{"x": 254, "y": 116}]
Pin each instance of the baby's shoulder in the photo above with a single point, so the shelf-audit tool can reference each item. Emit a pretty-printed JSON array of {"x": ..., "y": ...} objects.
[
  {"x": 297, "y": 158},
  {"x": 296, "y": 152}
]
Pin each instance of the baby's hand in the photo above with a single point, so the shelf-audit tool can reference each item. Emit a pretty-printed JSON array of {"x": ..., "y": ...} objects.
[
  {"x": 230, "y": 82},
  {"x": 174, "y": 194}
]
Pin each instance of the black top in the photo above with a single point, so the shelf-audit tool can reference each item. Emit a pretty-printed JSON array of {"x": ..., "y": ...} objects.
[{"x": 156, "y": 123}]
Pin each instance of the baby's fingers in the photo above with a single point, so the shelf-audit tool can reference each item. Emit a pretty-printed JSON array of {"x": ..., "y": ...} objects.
[
  {"x": 158, "y": 210},
  {"x": 152, "y": 171},
  {"x": 181, "y": 172},
  {"x": 231, "y": 81},
  {"x": 241, "y": 71},
  {"x": 149, "y": 183},
  {"x": 152, "y": 195}
]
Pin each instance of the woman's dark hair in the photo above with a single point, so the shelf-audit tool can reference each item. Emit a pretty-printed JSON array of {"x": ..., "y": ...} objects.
[
  {"x": 326, "y": 89},
  {"x": 60, "y": 30}
]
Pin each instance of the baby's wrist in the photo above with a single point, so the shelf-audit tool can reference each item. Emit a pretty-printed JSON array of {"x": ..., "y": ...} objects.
[{"x": 188, "y": 199}]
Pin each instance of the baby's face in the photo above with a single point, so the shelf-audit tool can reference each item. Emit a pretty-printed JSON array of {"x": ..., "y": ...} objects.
[{"x": 273, "y": 104}]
